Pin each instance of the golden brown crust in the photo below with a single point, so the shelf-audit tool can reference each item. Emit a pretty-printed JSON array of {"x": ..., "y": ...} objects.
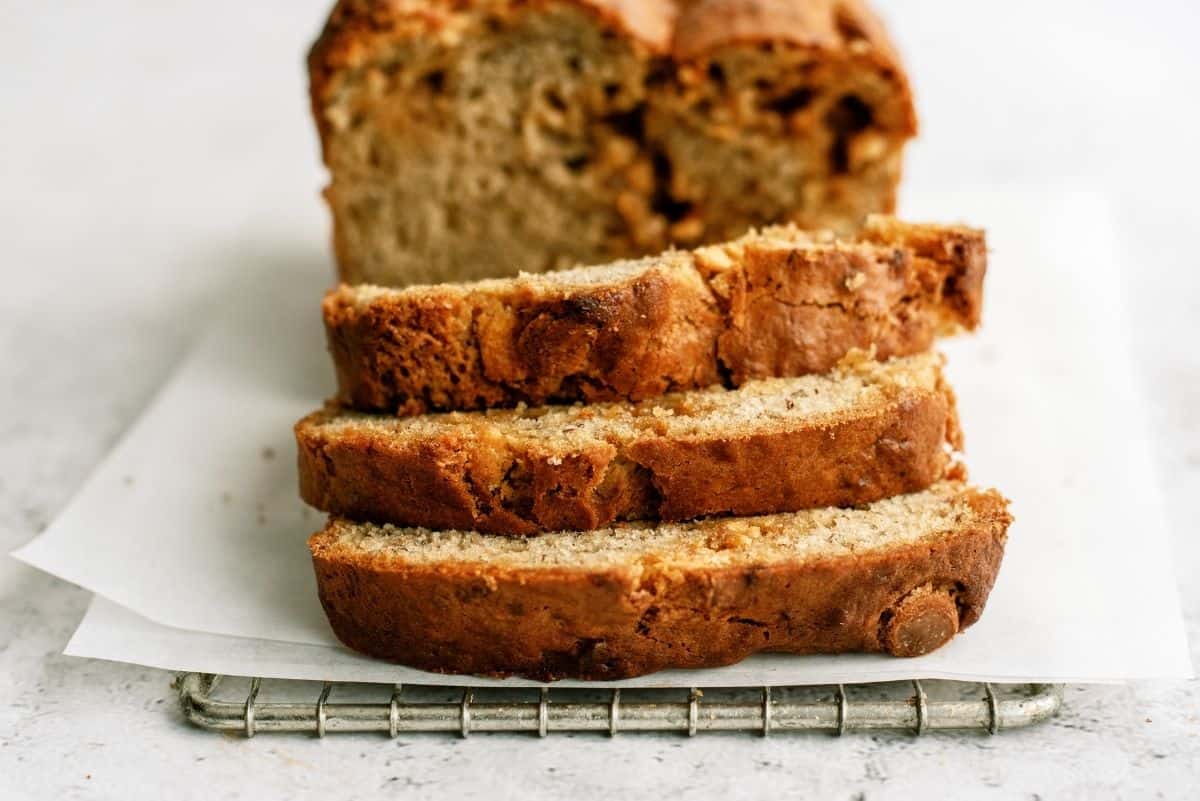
[
  {"x": 473, "y": 478},
  {"x": 705, "y": 25},
  {"x": 685, "y": 28},
  {"x": 553, "y": 623},
  {"x": 683, "y": 322}
]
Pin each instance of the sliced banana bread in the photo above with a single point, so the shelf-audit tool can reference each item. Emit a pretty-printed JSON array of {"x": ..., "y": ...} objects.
[
  {"x": 474, "y": 138},
  {"x": 780, "y": 302},
  {"x": 900, "y": 576},
  {"x": 865, "y": 431}
]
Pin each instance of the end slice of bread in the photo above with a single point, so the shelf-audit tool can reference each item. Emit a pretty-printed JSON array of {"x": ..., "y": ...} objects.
[
  {"x": 901, "y": 576},
  {"x": 865, "y": 431},
  {"x": 779, "y": 302}
]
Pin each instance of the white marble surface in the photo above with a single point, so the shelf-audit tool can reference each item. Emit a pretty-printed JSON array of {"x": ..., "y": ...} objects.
[{"x": 152, "y": 153}]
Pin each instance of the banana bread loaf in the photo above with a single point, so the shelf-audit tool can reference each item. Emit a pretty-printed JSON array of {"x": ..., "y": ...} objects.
[{"x": 474, "y": 138}]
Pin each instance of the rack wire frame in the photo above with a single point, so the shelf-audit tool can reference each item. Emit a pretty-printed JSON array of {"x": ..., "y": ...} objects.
[{"x": 998, "y": 708}]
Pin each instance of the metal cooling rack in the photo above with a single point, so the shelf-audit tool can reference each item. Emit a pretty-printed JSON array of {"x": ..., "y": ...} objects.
[{"x": 253, "y": 706}]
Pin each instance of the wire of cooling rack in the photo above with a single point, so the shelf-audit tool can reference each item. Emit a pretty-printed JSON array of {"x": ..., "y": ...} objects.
[{"x": 992, "y": 709}]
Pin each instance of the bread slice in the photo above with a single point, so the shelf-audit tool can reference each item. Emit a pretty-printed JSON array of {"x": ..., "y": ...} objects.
[
  {"x": 781, "y": 302},
  {"x": 474, "y": 138},
  {"x": 865, "y": 431},
  {"x": 901, "y": 576}
]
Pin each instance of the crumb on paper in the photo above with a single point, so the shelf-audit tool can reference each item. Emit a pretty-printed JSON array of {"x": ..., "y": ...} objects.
[{"x": 268, "y": 453}]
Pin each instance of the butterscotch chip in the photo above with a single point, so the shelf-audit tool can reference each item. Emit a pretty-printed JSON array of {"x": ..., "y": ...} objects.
[{"x": 921, "y": 622}]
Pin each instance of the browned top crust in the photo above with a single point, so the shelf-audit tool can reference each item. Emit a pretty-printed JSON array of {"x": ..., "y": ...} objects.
[
  {"x": 833, "y": 25},
  {"x": 684, "y": 29},
  {"x": 681, "y": 30},
  {"x": 780, "y": 303}
]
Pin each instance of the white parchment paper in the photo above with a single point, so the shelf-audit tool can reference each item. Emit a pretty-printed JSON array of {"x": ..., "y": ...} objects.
[{"x": 192, "y": 533}]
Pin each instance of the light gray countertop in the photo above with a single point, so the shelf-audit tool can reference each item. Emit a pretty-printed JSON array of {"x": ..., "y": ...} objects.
[{"x": 151, "y": 154}]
